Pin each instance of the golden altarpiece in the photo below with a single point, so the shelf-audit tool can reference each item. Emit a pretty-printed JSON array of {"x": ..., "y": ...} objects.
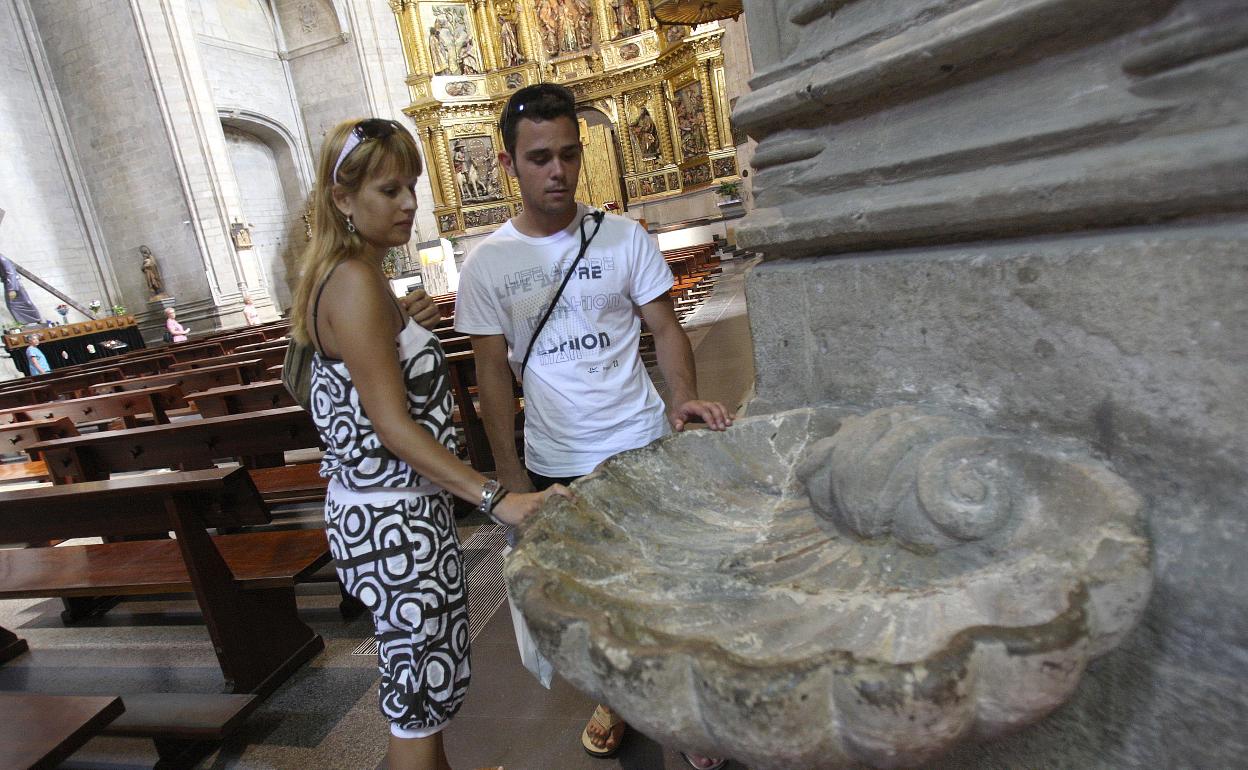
[{"x": 650, "y": 99}]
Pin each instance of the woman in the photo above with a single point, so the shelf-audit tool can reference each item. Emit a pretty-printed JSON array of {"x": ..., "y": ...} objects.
[
  {"x": 250, "y": 314},
  {"x": 382, "y": 403},
  {"x": 177, "y": 332}
]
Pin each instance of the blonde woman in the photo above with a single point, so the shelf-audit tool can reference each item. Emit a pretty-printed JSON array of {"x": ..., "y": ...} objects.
[
  {"x": 382, "y": 403},
  {"x": 174, "y": 331}
]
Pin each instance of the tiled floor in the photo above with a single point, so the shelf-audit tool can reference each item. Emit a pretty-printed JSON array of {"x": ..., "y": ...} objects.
[{"x": 326, "y": 715}]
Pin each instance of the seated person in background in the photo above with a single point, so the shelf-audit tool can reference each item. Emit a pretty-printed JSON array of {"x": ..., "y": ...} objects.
[
  {"x": 176, "y": 331},
  {"x": 34, "y": 356}
]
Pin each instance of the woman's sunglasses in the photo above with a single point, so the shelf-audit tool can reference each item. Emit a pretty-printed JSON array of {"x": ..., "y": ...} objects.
[{"x": 372, "y": 128}]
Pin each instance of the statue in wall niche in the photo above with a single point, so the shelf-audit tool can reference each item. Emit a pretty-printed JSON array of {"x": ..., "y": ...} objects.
[
  {"x": 568, "y": 26},
  {"x": 151, "y": 273},
  {"x": 548, "y": 20},
  {"x": 511, "y": 44},
  {"x": 452, "y": 50},
  {"x": 691, "y": 119},
  {"x": 584, "y": 24},
  {"x": 645, "y": 134},
  {"x": 893, "y": 583},
  {"x": 439, "y": 56},
  {"x": 626, "y": 18}
]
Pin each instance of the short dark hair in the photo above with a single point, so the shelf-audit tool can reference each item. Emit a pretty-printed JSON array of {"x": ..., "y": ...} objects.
[{"x": 544, "y": 101}]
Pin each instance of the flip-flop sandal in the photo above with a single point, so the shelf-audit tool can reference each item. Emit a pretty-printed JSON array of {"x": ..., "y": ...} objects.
[
  {"x": 610, "y": 724},
  {"x": 716, "y": 764}
]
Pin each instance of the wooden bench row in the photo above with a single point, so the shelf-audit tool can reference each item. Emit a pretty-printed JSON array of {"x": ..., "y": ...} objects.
[
  {"x": 243, "y": 583},
  {"x": 41, "y": 731}
]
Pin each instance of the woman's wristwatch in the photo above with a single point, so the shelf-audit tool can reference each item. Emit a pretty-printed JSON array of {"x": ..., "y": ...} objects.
[{"x": 492, "y": 494}]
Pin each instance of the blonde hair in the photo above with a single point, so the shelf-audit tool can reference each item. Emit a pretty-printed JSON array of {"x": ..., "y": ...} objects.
[{"x": 331, "y": 243}]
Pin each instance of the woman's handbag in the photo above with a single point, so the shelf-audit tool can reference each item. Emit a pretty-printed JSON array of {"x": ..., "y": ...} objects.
[
  {"x": 532, "y": 658},
  {"x": 297, "y": 373}
]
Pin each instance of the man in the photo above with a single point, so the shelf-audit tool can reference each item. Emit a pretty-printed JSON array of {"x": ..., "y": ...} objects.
[
  {"x": 35, "y": 359},
  {"x": 587, "y": 394}
]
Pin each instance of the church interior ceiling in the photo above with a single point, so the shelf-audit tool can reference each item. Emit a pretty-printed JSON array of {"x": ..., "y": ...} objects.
[{"x": 663, "y": 120}]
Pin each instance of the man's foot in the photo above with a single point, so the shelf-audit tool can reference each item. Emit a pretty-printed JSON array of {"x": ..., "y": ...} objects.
[
  {"x": 699, "y": 762},
  {"x": 603, "y": 734}
]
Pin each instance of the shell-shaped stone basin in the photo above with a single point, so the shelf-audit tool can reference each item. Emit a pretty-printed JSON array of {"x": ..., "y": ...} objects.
[{"x": 822, "y": 588}]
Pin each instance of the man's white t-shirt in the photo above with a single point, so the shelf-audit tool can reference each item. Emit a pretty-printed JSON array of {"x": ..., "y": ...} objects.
[{"x": 587, "y": 394}]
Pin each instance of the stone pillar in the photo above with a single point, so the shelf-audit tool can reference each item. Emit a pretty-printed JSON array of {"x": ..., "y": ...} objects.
[{"x": 1034, "y": 211}]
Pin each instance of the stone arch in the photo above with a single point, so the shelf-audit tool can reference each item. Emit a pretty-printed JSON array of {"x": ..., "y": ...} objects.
[{"x": 274, "y": 178}]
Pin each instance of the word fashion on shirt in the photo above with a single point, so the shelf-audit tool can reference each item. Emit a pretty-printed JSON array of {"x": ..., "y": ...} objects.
[{"x": 571, "y": 348}]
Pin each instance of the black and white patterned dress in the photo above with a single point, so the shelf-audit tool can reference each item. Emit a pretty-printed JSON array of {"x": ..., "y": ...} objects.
[{"x": 392, "y": 535}]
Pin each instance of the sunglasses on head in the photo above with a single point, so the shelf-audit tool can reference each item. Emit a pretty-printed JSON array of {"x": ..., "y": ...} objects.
[
  {"x": 531, "y": 96},
  {"x": 372, "y": 128}
]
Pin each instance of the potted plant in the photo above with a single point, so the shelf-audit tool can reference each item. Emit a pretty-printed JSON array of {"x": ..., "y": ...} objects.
[
  {"x": 119, "y": 309},
  {"x": 729, "y": 192},
  {"x": 94, "y": 306}
]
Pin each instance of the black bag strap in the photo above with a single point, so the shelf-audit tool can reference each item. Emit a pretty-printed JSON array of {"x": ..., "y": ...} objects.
[
  {"x": 598, "y": 217},
  {"x": 314, "y": 334}
]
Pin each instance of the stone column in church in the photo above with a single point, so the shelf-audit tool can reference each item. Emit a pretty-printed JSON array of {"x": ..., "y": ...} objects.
[{"x": 1035, "y": 211}]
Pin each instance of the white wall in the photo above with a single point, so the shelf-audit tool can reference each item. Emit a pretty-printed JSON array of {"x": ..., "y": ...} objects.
[
  {"x": 265, "y": 201},
  {"x": 43, "y": 229}
]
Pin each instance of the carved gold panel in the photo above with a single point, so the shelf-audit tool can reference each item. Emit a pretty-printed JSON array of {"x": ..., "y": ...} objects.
[
  {"x": 598, "y": 183},
  {"x": 451, "y": 41},
  {"x": 631, "y": 51},
  {"x": 647, "y": 81}
]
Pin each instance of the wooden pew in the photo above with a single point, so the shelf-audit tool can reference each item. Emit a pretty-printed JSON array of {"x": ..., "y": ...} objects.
[
  {"x": 190, "y": 350},
  {"x": 462, "y": 370},
  {"x": 41, "y": 731},
  {"x": 269, "y": 357},
  {"x": 246, "y": 335},
  {"x": 237, "y": 399},
  {"x": 244, "y": 583},
  {"x": 192, "y": 380},
  {"x": 186, "y": 727},
  {"x": 280, "y": 342},
  {"x": 134, "y": 364},
  {"x": 258, "y": 437},
  {"x": 127, "y": 406},
  {"x": 58, "y": 387},
  {"x": 17, "y": 437}
]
